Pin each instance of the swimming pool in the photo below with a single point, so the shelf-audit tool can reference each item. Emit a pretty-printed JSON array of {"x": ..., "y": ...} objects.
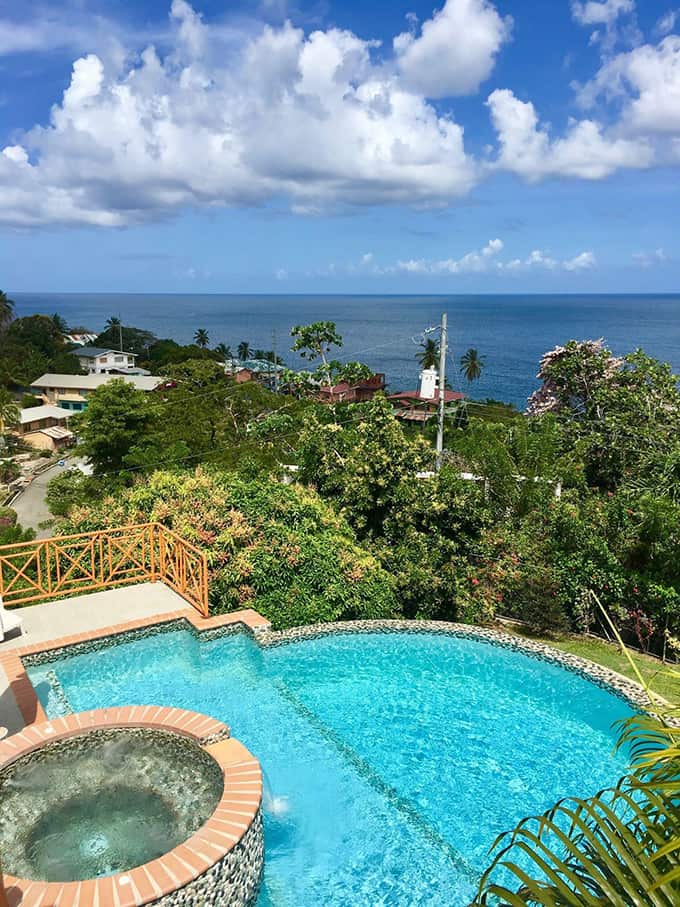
[{"x": 392, "y": 759}]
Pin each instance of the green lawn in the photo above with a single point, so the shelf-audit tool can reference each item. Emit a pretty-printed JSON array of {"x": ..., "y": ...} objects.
[{"x": 654, "y": 672}]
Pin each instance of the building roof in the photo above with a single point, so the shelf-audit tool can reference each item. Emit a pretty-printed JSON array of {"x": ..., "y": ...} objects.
[
  {"x": 56, "y": 432},
  {"x": 415, "y": 397},
  {"x": 262, "y": 365},
  {"x": 36, "y": 413},
  {"x": 90, "y": 352},
  {"x": 92, "y": 382}
]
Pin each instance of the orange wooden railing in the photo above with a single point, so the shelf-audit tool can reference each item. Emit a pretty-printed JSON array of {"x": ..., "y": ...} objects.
[{"x": 71, "y": 564}]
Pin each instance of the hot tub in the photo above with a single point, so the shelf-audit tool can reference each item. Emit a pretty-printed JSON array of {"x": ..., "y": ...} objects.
[{"x": 144, "y": 805}]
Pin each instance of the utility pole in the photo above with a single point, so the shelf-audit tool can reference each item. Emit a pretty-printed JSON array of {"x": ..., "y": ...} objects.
[
  {"x": 276, "y": 364},
  {"x": 120, "y": 331},
  {"x": 442, "y": 394}
]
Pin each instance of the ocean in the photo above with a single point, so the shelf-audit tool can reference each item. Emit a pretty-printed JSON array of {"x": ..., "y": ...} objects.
[{"x": 511, "y": 333}]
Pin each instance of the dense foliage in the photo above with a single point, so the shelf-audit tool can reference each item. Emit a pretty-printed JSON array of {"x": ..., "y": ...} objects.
[
  {"x": 32, "y": 346},
  {"x": 278, "y": 549},
  {"x": 527, "y": 516}
]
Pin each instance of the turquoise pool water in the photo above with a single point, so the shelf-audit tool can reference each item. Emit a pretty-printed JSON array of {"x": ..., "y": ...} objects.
[{"x": 392, "y": 760}]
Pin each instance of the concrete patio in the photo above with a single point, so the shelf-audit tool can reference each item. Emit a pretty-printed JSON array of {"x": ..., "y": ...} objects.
[{"x": 86, "y": 613}]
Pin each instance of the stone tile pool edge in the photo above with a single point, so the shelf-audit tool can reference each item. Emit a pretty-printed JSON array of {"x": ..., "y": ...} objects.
[{"x": 253, "y": 624}]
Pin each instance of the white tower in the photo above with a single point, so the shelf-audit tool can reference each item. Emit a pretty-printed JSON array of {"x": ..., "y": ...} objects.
[{"x": 429, "y": 381}]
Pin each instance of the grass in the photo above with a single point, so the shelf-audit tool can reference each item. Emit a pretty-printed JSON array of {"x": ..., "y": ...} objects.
[{"x": 656, "y": 674}]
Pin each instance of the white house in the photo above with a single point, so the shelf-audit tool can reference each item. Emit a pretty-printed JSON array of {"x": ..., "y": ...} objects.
[{"x": 99, "y": 361}]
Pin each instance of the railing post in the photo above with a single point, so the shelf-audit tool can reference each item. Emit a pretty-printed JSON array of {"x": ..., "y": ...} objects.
[
  {"x": 204, "y": 585},
  {"x": 153, "y": 530}
]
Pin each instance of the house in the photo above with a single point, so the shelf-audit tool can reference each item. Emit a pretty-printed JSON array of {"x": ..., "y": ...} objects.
[
  {"x": 420, "y": 405},
  {"x": 97, "y": 360},
  {"x": 45, "y": 427},
  {"x": 243, "y": 375},
  {"x": 71, "y": 391},
  {"x": 412, "y": 407},
  {"x": 358, "y": 392},
  {"x": 261, "y": 370}
]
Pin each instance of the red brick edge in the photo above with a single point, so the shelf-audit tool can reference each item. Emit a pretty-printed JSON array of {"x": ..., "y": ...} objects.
[
  {"x": 22, "y": 688},
  {"x": 232, "y": 818}
]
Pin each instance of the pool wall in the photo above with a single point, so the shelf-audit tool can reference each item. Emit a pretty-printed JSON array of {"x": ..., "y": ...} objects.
[{"x": 221, "y": 863}]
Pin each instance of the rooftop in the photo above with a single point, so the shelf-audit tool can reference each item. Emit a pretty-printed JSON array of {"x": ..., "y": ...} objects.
[
  {"x": 92, "y": 382},
  {"x": 90, "y": 352},
  {"x": 415, "y": 397},
  {"x": 37, "y": 413}
]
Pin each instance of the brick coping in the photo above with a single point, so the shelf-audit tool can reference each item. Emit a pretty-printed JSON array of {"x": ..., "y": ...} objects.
[{"x": 238, "y": 807}]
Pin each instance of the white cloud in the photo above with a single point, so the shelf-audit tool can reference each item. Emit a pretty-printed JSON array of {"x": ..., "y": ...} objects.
[
  {"x": 585, "y": 151},
  {"x": 309, "y": 118},
  {"x": 541, "y": 260},
  {"x": 455, "y": 50},
  {"x": 481, "y": 261},
  {"x": 583, "y": 262},
  {"x": 646, "y": 81},
  {"x": 649, "y": 259},
  {"x": 600, "y": 12},
  {"x": 472, "y": 262},
  {"x": 666, "y": 23}
]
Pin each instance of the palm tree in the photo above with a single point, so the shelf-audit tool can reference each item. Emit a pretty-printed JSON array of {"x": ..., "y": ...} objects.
[
  {"x": 201, "y": 338},
  {"x": 243, "y": 350},
  {"x": 224, "y": 351},
  {"x": 9, "y": 411},
  {"x": 6, "y": 310},
  {"x": 471, "y": 365},
  {"x": 113, "y": 323},
  {"x": 429, "y": 356}
]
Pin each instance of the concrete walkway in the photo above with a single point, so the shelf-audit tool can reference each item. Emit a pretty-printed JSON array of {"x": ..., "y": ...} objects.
[{"x": 80, "y": 615}]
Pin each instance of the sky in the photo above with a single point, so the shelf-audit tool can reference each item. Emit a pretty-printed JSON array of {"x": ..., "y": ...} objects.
[{"x": 320, "y": 146}]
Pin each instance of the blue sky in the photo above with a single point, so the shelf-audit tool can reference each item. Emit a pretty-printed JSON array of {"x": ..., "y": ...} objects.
[{"x": 326, "y": 146}]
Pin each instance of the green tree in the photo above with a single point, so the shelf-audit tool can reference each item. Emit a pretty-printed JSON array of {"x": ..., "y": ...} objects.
[
  {"x": 201, "y": 338},
  {"x": 196, "y": 404},
  {"x": 224, "y": 350},
  {"x": 116, "y": 421},
  {"x": 243, "y": 350},
  {"x": 9, "y": 411},
  {"x": 471, "y": 365},
  {"x": 6, "y": 310},
  {"x": 60, "y": 323},
  {"x": 280, "y": 550},
  {"x": 134, "y": 340},
  {"x": 315, "y": 341},
  {"x": 428, "y": 357}
]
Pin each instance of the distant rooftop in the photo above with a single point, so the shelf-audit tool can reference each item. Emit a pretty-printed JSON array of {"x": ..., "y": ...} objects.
[
  {"x": 92, "y": 382},
  {"x": 415, "y": 397},
  {"x": 36, "y": 413},
  {"x": 91, "y": 351}
]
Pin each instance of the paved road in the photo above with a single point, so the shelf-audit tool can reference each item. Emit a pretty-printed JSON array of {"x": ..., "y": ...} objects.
[{"x": 31, "y": 507}]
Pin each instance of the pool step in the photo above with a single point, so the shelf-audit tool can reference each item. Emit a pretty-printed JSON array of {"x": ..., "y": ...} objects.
[{"x": 406, "y": 807}]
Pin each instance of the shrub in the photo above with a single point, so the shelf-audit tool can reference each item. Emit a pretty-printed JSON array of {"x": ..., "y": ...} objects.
[{"x": 278, "y": 549}]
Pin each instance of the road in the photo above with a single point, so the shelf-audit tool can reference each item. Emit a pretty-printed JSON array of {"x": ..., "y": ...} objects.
[{"x": 31, "y": 506}]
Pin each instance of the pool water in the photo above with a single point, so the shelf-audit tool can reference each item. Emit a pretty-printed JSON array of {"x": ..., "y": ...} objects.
[
  {"x": 103, "y": 802},
  {"x": 392, "y": 760}
]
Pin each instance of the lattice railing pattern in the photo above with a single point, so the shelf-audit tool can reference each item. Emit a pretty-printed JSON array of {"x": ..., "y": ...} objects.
[{"x": 91, "y": 561}]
